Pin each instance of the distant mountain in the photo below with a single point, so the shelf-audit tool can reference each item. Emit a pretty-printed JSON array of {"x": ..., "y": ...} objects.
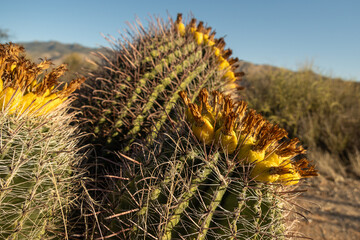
[
  {"x": 55, "y": 51},
  {"x": 61, "y": 52}
]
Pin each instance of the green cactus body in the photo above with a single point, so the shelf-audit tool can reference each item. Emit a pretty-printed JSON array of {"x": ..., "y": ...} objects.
[
  {"x": 38, "y": 150},
  {"x": 126, "y": 98},
  {"x": 36, "y": 174},
  {"x": 157, "y": 178}
]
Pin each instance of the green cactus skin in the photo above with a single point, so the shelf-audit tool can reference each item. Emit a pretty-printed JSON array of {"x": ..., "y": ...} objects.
[
  {"x": 196, "y": 195},
  {"x": 37, "y": 175},
  {"x": 153, "y": 179}
]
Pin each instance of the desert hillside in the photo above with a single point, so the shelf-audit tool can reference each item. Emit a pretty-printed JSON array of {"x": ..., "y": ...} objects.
[{"x": 55, "y": 51}]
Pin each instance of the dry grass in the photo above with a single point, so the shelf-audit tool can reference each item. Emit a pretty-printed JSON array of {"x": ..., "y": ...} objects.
[{"x": 322, "y": 111}]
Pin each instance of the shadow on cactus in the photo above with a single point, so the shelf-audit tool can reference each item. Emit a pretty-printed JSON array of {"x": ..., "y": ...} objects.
[
  {"x": 38, "y": 148},
  {"x": 221, "y": 174}
]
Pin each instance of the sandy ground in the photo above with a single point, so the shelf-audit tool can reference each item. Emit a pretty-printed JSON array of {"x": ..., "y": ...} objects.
[{"x": 334, "y": 209}]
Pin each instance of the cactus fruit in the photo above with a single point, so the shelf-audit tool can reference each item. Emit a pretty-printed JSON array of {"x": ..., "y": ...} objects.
[
  {"x": 163, "y": 177},
  {"x": 38, "y": 149}
]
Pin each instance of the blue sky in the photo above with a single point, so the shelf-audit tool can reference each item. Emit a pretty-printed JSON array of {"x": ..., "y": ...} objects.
[{"x": 284, "y": 33}]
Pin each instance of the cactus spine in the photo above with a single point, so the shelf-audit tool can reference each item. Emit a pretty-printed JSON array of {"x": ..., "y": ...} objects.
[
  {"x": 209, "y": 177},
  {"x": 38, "y": 149}
]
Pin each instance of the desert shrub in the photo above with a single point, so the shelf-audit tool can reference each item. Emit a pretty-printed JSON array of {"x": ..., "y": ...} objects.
[
  {"x": 322, "y": 111},
  {"x": 77, "y": 64}
]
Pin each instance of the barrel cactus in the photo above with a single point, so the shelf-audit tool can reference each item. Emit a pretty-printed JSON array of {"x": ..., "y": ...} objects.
[
  {"x": 205, "y": 169},
  {"x": 38, "y": 148}
]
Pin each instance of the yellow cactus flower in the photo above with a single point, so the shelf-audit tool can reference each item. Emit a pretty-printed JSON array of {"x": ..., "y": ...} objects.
[
  {"x": 192, "y": 26},
  {"x": 204, "y": 131},
  {"x": 202, "y": 128},
  {"x": 205, "y": 108},
  {"x": 206, "y": 35},
  {"x": 288, "y": 174},
  {"x": 230, "y": 76},
  {"x": 49, "y": 104},
  {"x": 226, "y": 136},
  {"x": 223, "y": 63},
  {"x": 256, "y": 156},
  {"x": 247, "y": 142},
  {"x": 13, "y": 66},
  {"x": 180, "y": 27},
  {"x": 219, "y": 47},
  {"x": 186, "y": 100},
  {"x": 289, "y": 178},
  {"x": 273, "y": 157},
  {"x": 217, "y": 51},
  {"x": 25, "y": 87},
  {"x": 10, "y": 99},
  {"x": 198, "y": 34},
  {"x": 265, "y": 171},
  {"x": 251, "y": 138},
  {"x": 199, "y": 37},
  {"x": 227, "y": 141},
  {"x": 29, "y": 100},
  {"x": 210, "y": 43}
]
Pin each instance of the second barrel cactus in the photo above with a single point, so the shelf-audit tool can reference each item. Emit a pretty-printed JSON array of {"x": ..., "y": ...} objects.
[{"x": 207, "y": 169}]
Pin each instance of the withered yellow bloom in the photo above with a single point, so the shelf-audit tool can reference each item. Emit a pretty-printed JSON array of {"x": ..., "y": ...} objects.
[
  {"x": 226, "y": 135},
  {"x": 264, "y": 171},
  {"x": 202, "y": 128},
  {"x": 228, "y": 127},
  {"x": 291, "y": 176},
  {"x": 26, "y": 87},
  {"x": 180, "y": 27}
]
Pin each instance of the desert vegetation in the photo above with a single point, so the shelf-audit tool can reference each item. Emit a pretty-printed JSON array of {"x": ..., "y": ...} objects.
[{"x": 322, "y": 111}]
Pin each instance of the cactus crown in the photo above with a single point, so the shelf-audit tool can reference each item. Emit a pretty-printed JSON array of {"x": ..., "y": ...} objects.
[
  {"x": 270, "y": 142},
  {"x": 25, "y": 87}
]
